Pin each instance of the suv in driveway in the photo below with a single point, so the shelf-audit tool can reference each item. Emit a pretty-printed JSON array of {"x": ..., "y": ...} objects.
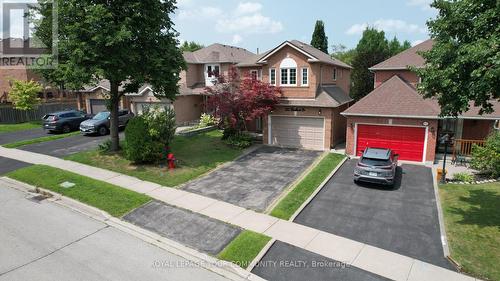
[
  {"x": 64, "y": 121},
  {"x": 377, "y": 165},
  {"x": 100, "y": 122}
]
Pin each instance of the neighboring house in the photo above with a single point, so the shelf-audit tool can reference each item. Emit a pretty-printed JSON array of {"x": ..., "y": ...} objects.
[
  {"x": 394, "y": 115},
  {"x": 315, "y": 91}
]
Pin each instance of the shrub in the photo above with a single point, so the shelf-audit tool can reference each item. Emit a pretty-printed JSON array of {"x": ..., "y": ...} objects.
[
  {"x": 160, "y": 123},
  {"x": 241, "y": 140},
  {"x": 487, "y": 159},
  {"x": 105, "y": 147},
  {"x": 463, "y": 177},
  {"x": 140, "y": 146},
  {"x": 206, "y": 120}
]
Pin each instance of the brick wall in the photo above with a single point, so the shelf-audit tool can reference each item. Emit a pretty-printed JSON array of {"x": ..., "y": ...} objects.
[
  {"x": 383, "y": 75},
  {"x": 477, "y": 129},
  {"x": 188, "y": 108}
]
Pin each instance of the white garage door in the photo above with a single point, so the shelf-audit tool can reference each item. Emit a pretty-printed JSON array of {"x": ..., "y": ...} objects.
[{"x": 299, "y": 132}]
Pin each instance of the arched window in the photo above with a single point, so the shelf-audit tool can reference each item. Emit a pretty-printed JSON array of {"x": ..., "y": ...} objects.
[{"x": 288, "y": 71}]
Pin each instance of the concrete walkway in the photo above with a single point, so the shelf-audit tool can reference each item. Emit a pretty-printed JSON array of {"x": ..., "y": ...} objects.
[{"x": 381, "y": 262}]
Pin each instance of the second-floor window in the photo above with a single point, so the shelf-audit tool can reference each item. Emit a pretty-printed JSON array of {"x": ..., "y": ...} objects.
[
  {"x": 305, "y": 76},
  {"x": 288, "y": 72},
  {"x": 272, "y": 76},
  {"x": 212, "y": 71}
]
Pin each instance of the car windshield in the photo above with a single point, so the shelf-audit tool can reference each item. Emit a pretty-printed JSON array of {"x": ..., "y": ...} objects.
[
  {"x": 375, "y": 162},
  {"x": 49, "y": 117},
  {"x": 101, "y": 116}
]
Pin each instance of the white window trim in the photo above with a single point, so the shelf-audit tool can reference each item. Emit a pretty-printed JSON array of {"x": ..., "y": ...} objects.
[
  {"x": 275, "y": 76},
  {"x": 302, "y": 76},
  {"x": 258, "y": 76},
  {"x": 288, "y": 77}
]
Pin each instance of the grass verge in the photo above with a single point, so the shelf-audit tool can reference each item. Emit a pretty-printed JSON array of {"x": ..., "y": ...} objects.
[
  {"x": 39, "y": 140},
  {"x": 298, "y": 195},
  {"x": 472, "y": 220},
  {"x": 115, "y": 200},
  {"x": 196, "y": 155},
  {"x": 7, "y": 128},
  {"x": 244, "y": 248}
]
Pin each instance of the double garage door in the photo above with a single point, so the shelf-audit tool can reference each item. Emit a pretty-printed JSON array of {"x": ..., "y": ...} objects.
[
  {"x": 301, "y": 132},
  {"x": 408, "y": 142}
]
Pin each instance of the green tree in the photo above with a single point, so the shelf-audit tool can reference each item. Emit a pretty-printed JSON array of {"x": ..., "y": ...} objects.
[
  {"x": 191, "y": 46},
  {"x": 395, "y": 47},
  {"x": 464, "y": 63},
  {"x": 127, "y": 42},
  {"x": 24, "y": 94},
  {"x": 341, "y": 52},
  {"x": 319, "y": 39},
  {"x": 371, "y": 50}
]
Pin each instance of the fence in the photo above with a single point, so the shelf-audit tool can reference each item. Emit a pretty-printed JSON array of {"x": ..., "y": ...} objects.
[
  {"x": 10, "y": 115},
  {"x": 464, "y": 147}
]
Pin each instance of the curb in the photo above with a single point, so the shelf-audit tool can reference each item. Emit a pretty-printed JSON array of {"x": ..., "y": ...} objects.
[
  {"x": 261, "y": 254},
  {"x": 444, "y": 239}
]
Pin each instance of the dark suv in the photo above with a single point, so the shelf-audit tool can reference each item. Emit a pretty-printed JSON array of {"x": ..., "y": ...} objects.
[
  {"x": 64, "y": 121},
  {"x": 377, "y": 165}
]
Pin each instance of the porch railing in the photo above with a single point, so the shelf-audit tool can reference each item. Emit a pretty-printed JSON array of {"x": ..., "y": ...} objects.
[{"x": 464, "y": 147}]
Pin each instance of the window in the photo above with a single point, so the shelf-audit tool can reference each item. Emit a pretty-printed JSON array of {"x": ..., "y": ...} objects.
[
  {"x": 284, "y": 76},
  {"x": 305, "y": 76},
  {"x": 288, "y": 71},
  {"x": 272, "y": 76},
  {"x": 293, "y": 76},
  {"x": 334, "y": 74},
  {"x": 254, "y": 74}
]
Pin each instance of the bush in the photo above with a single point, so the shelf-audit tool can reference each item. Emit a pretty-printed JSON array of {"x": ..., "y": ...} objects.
[
  {"x": 206, "y": 120},
  {"x": 160, "y": 124},
  {"x": 140, "y": 146},
  {"x": 463, "y": 177},
  {"x": 487, "y": 159},
  {"x": 241, "y": 140},
  {"x": 105, "y": 147}
]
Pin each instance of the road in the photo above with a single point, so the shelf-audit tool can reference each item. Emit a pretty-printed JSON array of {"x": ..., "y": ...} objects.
[{"x": 46, "y": 241}]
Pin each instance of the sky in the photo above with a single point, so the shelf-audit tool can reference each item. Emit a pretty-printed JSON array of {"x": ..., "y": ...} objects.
[{"x": 264, "y": 24}]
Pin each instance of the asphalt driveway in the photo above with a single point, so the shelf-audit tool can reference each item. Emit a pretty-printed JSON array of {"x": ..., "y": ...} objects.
[
  {"x": 257, "y": 179},
  {"x": 402, "y": 220},
  {"x": 8, "y": 165},
  {"x": 16, "y": 136}
]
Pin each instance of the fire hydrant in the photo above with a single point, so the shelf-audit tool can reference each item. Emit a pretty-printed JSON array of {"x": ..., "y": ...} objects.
[{"x": 171, "y": 161}]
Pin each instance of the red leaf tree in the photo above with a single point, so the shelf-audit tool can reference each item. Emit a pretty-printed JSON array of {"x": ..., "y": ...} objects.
[{"x": 235, "y": 100}]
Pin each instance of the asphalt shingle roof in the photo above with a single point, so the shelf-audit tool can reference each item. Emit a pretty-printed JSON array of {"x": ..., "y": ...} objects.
[
  {"x": 406, "y": 58},
  {"x": 326, "y": 96},
  {"x": 218, "y": 53}
]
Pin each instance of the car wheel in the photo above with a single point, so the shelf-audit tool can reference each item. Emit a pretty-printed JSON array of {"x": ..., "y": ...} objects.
[
  {"x": 66, "y": 129},
  {"x": 102, "y": 131}
]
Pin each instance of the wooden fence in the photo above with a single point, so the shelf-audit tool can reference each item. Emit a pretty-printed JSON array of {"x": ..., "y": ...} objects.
[
  {"x": 464, "y": 147},
  {"x": 10, "y": 115}
]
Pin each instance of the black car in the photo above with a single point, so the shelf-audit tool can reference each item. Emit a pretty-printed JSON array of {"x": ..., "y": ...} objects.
[
  {"x": 64, "y": 121},
  {"x": 377, "y": 165}
]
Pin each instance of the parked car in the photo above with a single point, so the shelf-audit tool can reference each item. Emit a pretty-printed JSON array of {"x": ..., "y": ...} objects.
[
  {"x": 377, "y": 165},
  {"x": 64, "y": 121},
  {"x": 100, "y": 122}
]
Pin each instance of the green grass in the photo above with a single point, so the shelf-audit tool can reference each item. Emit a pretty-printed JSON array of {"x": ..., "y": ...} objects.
[
  {"x": 7, "y": 128},
  {"x": 107, "y": 197},
  {"x": 39, "y": 140},
  {"x": 472, "y": 220},
  {"x": 288, "y": 205},
  {"x": 196, "y": 156},
  {"x": 244, "y": 248}
]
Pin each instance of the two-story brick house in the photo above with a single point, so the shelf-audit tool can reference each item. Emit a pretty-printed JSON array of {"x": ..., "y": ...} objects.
[
  {"x": 396, "y": 116},
  {"x": 315, "y": 91}
]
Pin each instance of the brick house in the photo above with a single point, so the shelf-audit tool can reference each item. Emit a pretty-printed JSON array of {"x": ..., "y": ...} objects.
[
  {"x": 315, "y": 91},
  {"x": 395, "y": 115}
]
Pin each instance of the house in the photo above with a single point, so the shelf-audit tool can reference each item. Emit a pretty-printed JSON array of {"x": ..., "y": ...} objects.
[
  {"x": 395, "y": 115},
  {"x": 315, "y": 90}
]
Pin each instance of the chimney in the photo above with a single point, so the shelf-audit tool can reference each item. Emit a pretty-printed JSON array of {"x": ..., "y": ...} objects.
[{"x": 257, "y": 51}]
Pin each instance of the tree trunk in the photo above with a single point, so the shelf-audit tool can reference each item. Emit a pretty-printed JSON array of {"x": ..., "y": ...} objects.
[{"x": 114, "y": 99}]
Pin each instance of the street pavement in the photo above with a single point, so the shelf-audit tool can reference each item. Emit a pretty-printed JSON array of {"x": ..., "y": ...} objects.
[{"x": 46, "y": 241}]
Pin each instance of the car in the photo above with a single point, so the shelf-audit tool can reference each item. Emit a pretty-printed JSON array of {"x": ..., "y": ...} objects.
[
  {"x": 64, "y": 121},
  {"x": 377, "y": 165},
  {"x": 99, "y": 124}
]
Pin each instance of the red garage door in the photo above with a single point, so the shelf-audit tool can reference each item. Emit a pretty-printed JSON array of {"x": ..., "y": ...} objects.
[{"x": 408, "y": 142}]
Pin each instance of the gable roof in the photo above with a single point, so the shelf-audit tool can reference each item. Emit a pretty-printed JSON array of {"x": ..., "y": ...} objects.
[
  {"x": 409, "y": 57},
  {"x": 395, "y": 98},
  {"x": 326, "y": 96},
  {"x": 217, "y": 53}
]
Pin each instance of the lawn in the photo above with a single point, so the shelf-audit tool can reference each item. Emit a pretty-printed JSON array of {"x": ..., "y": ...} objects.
[
  {"x": 7, "y": 128},
  {"x": 244, "y": 248},
  {"x": 107, "y": 197},
  {"x": 472, "y": 220},
  {"x": 39, "y": 140},
  {"x": 299, "y": 194},
  {"x": 196, "y": 156}
]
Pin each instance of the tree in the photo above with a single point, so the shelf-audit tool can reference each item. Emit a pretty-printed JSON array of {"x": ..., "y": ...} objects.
[
  {"x": 395, "y": 47},
  {"x": 463, "y": 67},
  {"x": 191, "y": 46},
  {"x": 319, "y": 39},
  {"x": 236, "y": 100},
  {"x": 24, "y": 94},
  {"x": 371, "y": 50},
  {"x": 127, "y": 42},
  {"x": 341, "y": 53}
]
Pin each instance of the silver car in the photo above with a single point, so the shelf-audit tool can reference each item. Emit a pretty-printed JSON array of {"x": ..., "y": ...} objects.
[
  {"x": 100, "y": 122},
  {"x": 377, "y": 165}
]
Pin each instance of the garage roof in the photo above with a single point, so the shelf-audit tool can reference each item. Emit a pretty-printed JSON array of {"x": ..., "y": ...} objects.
[{"x": 326, "y": 96}]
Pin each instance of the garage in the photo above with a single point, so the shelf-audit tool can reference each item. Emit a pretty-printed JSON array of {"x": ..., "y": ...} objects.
[
  {"x": 408, "y": 142},
  {"x": 300, "y": 132},
  {"x": 97, "y": 105}
]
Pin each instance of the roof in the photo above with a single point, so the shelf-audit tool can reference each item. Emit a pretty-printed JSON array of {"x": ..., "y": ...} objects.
[
  {"x": 473, "y": 112},
  {"x": 397, "y": 98},
  {"x": 312, "y": 53},
  {"x": 377, "y": 153},
  {"x": 326, "y": 96},
  {"x": 217, "y": 53},
  {"x": 409, "y": 57}
]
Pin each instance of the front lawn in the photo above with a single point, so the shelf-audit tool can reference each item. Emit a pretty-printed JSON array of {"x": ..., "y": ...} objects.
[
  {"x": 196, "y": 155},
  {"x": 244, "y": 248},
  {"x": 115, "y": 200},
  {"x": 39, "y": 140},
  {"x": 472, "y": 220},
  {"x": 288, "y": 205},
  {"x": 7, "y": 128}
]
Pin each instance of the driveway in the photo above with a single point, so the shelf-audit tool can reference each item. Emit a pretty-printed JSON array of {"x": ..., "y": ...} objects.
[
  {"x": 22, "y": 135},
  {"x": 8, "y": 165},
  {"x": 402, "y": 220},
  {"x": 257, "y": 179}
]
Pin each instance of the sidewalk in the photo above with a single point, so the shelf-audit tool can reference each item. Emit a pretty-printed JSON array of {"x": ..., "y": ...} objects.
[{"x": 381, "y": 262}]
